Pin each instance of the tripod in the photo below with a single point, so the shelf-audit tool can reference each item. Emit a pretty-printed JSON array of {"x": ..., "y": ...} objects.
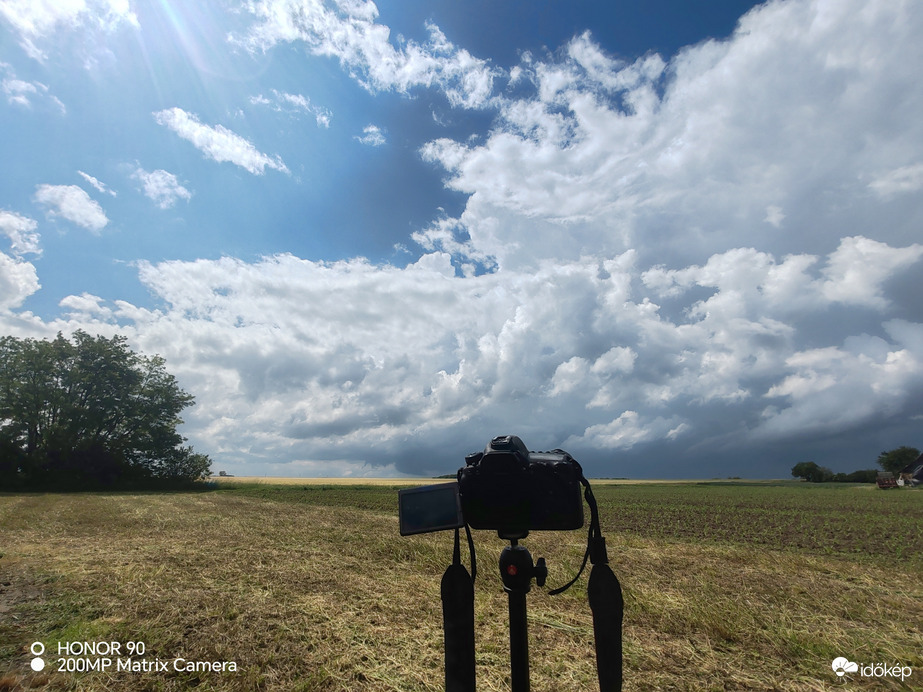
[{"x": 517, "y": 572}]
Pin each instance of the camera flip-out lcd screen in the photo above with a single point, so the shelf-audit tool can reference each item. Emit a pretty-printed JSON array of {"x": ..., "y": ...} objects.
[{"x": 429, "y": 508}]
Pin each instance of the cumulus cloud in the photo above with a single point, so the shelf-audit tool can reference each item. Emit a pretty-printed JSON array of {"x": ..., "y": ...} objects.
[
  {"x": 86, "y": 308},
  {"x": 876, "y": 376},
  {"x": 18, "y": 281},
  {"x": 349, "y": 32},
  {"x": 628, "y": 430},
  {"x": 854, "y": 274},
  {"x": 860, "y": 266},
  {"x": 682, "y": 158},
  {"x": 218, "y": 143},
  {"x": 21, "y": 232},
  {"x": 72, "y": 203},
  {"x": 161, "y": 187},
  {"x": 18, "y": 278},
  {"x": 301, "y": 360}
]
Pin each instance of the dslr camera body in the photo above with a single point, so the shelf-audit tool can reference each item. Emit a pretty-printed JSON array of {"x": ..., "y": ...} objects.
[{"x": 511, "y": 490}]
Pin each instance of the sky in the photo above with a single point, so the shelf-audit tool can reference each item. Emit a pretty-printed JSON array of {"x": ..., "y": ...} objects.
[{"x": 678, "y": 240}]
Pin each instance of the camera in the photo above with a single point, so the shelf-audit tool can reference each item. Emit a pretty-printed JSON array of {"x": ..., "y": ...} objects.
[
  {"x": 505, "y": 488},
  {"x": 513, "y": 491}
]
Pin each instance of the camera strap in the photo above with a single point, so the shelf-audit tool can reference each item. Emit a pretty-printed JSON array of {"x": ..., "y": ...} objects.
[
  {"x": 606, "y": 601},
  {"x": 458, "y": 620}
]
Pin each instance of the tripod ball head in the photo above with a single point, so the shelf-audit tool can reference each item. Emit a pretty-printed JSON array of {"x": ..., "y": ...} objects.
[{"x": 517, "y": 570}]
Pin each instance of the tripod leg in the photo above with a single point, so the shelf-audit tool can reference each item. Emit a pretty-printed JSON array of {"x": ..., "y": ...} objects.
[
  {"x": 458, "y": 625},
  {"x": 519, "y": 642}
]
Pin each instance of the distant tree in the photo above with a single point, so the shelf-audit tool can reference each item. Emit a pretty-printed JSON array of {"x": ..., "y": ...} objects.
[
  {"x": 806, "y": 470},
  {"x": 863, "y": 476},
  {"x": 90, "y": 412},
  {"x": 897, "y": 459},
  {"x": 811, "y": 472},
  {"x": 802, "y": 469}
]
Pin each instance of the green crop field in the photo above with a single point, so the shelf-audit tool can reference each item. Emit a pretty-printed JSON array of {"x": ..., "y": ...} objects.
[{"x": 308, "y": 586}]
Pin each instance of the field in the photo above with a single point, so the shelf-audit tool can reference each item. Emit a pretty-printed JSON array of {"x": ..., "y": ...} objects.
[{"x": 308, "y": 586}]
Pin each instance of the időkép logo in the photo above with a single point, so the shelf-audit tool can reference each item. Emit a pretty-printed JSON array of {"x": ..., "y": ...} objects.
[{"x": 842, "y": 666}]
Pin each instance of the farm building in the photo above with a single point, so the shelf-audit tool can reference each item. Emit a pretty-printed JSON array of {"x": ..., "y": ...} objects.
[{"x": 912, "y": 473}]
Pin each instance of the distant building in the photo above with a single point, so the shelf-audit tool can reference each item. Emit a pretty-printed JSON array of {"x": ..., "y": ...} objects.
[{"x": 912, "y": 473}]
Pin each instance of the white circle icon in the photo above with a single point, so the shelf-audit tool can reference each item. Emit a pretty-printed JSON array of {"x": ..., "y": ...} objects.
[
  {"x": 37, "y": 664},
  {"x": 37, "y": 649}
]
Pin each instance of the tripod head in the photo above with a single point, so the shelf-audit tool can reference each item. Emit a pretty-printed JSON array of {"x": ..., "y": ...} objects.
[{"x": 517, "y": 570}]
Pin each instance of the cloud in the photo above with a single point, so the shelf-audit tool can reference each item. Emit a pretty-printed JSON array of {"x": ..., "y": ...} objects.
[
  {"x": 628, "y": 430},
  {"x": 18, "y": 91},
  {"x": 35, "y": 20},
  {"x": 854, "y": 274},
  {"x": 161, "y": 187},
  {"x": 687, "y": 264},
  {"x": 72, "y": 203},
  {"x": 372, "y": 135},
  {"x": 292, "y": 359},
  {"x": 22, "y": 93},
  {"x": 101, "y": 187},
  {"x": 86, "y": 308},
  {"x": 860, "y": 266},
  {"x": 21, "y": 232},
  {"x": 218, "y": 143},
  {"x": 900, "y": 181},
  {"x": 18, "y": 281},
  {"x": 682, "y": 158},
  {"x": 349, "y": 32},
  {"x": 877, "y": 376},
  {"x": 284, "y": 102},
  {"x": 774, "y": 215}
]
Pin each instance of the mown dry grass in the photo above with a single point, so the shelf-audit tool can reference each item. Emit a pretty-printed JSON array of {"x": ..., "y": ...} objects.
[
  {"x": 348, "y": 481},
  {"x": 312, "y": 588}
]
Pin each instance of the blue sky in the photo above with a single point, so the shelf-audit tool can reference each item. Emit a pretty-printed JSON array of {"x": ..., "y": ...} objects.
[{"x": 677, "y": 240}]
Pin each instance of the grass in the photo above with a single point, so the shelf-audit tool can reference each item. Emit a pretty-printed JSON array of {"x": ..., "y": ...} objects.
[{"x": 310, "y": 587}]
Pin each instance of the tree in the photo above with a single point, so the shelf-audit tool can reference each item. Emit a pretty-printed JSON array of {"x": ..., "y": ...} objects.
[
  {"x": 861, "y": 476},
  {"x": 90, "y": 411},
  {"x": 897, "y": 459},
  {"x": 811, "y": 472}
]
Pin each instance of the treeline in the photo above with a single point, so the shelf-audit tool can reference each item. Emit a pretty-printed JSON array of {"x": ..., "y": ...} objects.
[
  {"x": 813, "y": 473},
  {"x": 90, "y": 413},
  {"x": 892, "y": 461}
]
